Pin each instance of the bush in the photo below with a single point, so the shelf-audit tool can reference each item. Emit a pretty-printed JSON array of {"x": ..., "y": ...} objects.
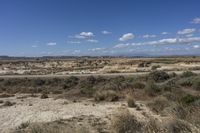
[
  {"x": 189, "y": 99},
  {"x": 158, "y": 76},
  {"x": 152, "y": 89},
  {"x": 131, "y": 101},
  {"x": 5, "y": 95},
  {"x": 159, "y": 104},
  {"x": 39, "y": 82},
  {"x": 188, "y": 74},
  {"x": 88, "y": 91},
  {"x": 124, "y": 122},
  {"x": 71, "y": 82},
  {"x": 178, "y": 126},
  {"x": 44, "y": 96},
  {"x": 8, "y": 103},
  {"x": 107, "y": 95},
  {"x": 186, "y": 82},
  {"x": 196, "y": 85},
  {"x": 138, "y": 85},
  {"x": 57, "y": 92},
  {"x": 155, "y": 67}
]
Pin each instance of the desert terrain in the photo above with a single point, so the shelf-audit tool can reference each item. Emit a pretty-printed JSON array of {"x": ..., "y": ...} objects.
[{"x": 100, "y": 95}]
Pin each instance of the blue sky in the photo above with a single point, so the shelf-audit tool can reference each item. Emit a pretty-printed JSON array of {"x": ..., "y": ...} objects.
[{"x": 99, "y": 27}]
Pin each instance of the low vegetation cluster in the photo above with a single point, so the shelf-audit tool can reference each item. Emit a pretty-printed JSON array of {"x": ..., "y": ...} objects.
[{"x": 165, "y": 94}]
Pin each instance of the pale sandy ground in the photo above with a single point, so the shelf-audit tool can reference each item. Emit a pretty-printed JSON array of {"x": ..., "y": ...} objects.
[
  {"x": 34, "y": 109},
  {"x": 46, "y": 110}
]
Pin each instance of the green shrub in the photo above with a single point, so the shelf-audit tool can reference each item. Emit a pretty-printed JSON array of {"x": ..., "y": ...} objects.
[
  {"x": 186, "y": 82},
  {"x": 196, "y": 85},
  {"x": 71, "y": 82},
  {"x": 188, "y": 74},
  {"x": 152, "y": 89},
  {"x": 158, "y": 76},
  {"x": 189, "y": 99}
]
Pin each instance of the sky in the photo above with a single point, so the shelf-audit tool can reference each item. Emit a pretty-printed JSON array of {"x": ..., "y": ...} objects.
[{"x": 99, "y": 27}]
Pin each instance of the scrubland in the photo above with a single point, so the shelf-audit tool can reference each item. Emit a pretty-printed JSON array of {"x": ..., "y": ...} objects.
[{"x": 158, "y": 102}]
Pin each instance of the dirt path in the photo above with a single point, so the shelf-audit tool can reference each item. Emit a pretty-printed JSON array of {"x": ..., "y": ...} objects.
[{"x": 85, "y": 75}]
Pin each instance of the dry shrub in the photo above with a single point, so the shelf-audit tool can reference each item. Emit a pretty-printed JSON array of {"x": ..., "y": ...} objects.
[
  {"x": 130, "y": 101},
  {"x": 152, "y": 89},
  {"x": 44, "y": 96},
  {"x": 1, "y": 101},
  {"x": 8, "y": 103},
  {"x": 138, "y": 85},
  {"x": 178, "y": 126},
  {"x": 5, "y": 95},
  {"x": 107, "y": 95},
  {"x": 124, "y": 122},
  {"x": 159, "y": 104}
]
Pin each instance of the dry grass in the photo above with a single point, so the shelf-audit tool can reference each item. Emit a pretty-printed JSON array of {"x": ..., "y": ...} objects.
[{"x": 124, "y": 122}]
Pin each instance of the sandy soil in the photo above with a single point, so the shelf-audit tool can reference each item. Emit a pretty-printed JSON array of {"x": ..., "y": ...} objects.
[
  {"x": 45, "y": 110},
  {"x": 34, "y": 109}
]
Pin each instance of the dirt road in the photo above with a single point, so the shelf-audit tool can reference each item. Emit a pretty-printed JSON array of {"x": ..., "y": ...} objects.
[{"x": 86, "y": 75}]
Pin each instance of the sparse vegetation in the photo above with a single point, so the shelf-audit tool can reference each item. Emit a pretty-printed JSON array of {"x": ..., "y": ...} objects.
[
  {"x": 170, "y": 95},
  {"x": 107, "y": 95},
  {"x": 188, "y": 74},
  {"x": 124, "y": 122},
  {"x": 152, "y": 89},
  {"x": 44, "y": 96},
  {"x": 158, "y": 76},
  {"x": 8, "y": 103},
  {"x": 131, "y": 101}
]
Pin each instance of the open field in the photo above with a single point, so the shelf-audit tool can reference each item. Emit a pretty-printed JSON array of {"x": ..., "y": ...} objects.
[{"x": 143, "y": 102}]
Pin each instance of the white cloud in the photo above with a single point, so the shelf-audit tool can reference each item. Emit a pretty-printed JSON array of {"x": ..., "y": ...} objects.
[
  {"x": 122, "y": 45},
  {"x": 164, "y": 33},
  {"x": 167, "y": 41},
  {"x": 196, "y": 21},
  {"x": 96, "y": 49},
  {"x": 51, "y": 43},
  {"x": 83, "y": 35},
  {"x": 196, "y": 46},
  {"x": 93, "y": 41},
  {"x": 34, "y": 46},
  {"x": 149, "y": 36},
  {"x": 74, "y": 42},
  {"x": 126, "y": 37},
  {"x": 87, "y": 34},
  {"x": 79, "y": 37},
  {"x": 189, "y": 35},
  {"x": 186, "y": 31},
  {"x": 106, "y": 32}
]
